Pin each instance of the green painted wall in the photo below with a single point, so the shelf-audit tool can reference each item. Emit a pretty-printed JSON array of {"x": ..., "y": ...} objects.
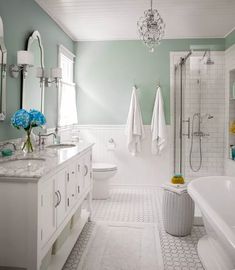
[
  {"x": 230, "y": 40},
  {"x": 20, "y": 19},
  {"x": 107, "y": 70}
]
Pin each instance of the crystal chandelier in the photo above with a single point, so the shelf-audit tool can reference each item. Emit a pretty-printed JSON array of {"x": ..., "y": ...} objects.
[{"x": 151, "y": 28}]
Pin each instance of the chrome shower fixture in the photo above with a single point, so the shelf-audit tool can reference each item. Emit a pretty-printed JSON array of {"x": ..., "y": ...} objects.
[
  {"x": 207, "y": 116},
  {"x": 209, "y": 61},
  {"x": 210, "y": 116}
]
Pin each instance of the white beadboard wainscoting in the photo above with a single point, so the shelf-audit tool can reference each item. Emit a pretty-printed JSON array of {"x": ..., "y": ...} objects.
[{"x": 142, "y": 169}]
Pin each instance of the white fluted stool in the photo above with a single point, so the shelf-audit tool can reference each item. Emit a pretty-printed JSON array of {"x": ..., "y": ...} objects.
[{"x": 177, "y": 210}]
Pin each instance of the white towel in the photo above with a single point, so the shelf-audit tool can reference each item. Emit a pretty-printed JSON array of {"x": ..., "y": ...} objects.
[
  {"x": 177, "y": 188},
  {"x": 158, "y": 125},
  {"x": 134, "y": 127}
]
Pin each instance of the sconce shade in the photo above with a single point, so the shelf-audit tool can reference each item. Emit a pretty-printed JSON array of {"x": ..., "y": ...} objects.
[
  {"x": 56, "y": 73},
  {"x": 46, "y": 73},
  {"x": 40, "y": 72},
  {"x": 25, "y": 58}
]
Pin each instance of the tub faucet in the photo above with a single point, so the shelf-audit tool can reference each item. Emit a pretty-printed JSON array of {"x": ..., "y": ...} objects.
[
  {"x": 41, "y": 139},
  {"x": 8, "y": 143}
]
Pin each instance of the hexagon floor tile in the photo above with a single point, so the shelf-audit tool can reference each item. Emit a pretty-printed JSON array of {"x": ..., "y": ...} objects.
[{"x": 140, "y": 205}]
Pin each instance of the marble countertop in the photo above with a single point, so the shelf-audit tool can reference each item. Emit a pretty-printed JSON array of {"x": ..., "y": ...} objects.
[{"x": 39, "y": 163}]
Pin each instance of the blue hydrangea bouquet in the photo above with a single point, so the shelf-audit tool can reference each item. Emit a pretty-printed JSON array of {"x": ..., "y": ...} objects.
[{"x": 27, "y": 121}]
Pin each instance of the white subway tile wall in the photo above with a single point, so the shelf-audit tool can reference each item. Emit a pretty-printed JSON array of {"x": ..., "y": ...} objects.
[
  {"x": 229, "y": 108},
  {"x": 204, "y": 92}
]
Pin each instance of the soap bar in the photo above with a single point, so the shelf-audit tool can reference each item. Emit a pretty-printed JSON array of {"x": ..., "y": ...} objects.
[{"x": 7, "y": 152}]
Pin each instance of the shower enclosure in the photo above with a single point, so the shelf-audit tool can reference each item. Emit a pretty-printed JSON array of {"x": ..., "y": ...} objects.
[{"x": 199, "y": 119}]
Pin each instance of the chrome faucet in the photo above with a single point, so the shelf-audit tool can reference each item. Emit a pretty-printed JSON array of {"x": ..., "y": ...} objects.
[
  {"x": 8, "y": 143},
  {"x": 41, "y": 139}
]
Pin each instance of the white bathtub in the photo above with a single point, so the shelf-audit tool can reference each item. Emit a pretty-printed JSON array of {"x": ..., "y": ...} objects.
[{"x": 215, "y": 196}]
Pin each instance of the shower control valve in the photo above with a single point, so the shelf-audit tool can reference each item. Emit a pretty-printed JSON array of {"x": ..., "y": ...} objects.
[{"x": 200, "y": 134}]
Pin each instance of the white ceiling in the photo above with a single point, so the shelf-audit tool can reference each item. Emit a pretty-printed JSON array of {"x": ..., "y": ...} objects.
[{"x": 116, "y": 19}]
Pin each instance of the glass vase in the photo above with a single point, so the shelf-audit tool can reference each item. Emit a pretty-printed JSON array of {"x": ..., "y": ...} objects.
[{"x": 28, "y": 146}]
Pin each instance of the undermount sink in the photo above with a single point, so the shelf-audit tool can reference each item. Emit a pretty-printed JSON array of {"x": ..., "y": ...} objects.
[
  {"x": 61, "y": 145},
  {"x": 19, "y": 163}
]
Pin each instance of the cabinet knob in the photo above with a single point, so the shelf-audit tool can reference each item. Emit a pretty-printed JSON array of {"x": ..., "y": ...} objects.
[
  {"x": 78, "y": 189},
  {"x": 73, "y": 172},
  {"x": 72, "y": 195}
]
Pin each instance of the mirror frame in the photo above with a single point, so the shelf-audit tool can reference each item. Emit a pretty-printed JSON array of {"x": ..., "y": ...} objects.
[
  {"x": 35, "y": 36},
  {"x": 3, "y": 99}
]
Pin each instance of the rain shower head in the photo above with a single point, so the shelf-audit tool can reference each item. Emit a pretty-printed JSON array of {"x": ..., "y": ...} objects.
[{"x": 209, "y": 61}]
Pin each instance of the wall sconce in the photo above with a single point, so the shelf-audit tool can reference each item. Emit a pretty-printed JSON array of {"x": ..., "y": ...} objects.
[
  {"x": 54, "y": 76},
  {"x": 40, "y": 73},
  {"x": 25, "y": 60}
]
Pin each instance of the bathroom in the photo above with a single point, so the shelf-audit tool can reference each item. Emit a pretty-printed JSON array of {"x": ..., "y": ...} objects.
[{"x": 79, "y": 195}]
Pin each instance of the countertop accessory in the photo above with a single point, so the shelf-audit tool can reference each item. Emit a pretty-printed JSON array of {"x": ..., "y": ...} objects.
[
  {"x": 27, "y": 121},
  {"x": 6, "y": 152}
]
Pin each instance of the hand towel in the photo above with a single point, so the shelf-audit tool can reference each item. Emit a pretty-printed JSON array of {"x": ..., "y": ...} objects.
[
  {"x": 178, "y": 188},
  {"x": 134, "y": 127},
  {"x": 158, "y": 125}
]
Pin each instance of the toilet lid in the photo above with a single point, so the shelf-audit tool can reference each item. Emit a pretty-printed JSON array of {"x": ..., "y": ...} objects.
[{"x": 100, "y": 167}]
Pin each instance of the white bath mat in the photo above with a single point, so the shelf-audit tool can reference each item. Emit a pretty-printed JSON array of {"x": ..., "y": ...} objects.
[
  {"x": 122, "y": 246},
  {"x": 135, "y": 207}
]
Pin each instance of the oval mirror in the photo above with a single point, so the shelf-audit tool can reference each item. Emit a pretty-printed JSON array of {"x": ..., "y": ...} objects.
[
  {"x": 32, "y": 89},
  {"x": 3, "y": 63}
]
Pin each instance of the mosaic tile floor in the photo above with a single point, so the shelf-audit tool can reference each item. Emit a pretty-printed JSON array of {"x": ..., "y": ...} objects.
[
  {"x": 140, "y": 205},
  {"x": 179, "y": 253}
]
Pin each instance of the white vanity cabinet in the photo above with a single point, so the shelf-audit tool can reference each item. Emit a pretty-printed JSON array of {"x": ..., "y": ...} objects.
[
  {"x": 86, "y": 170},
  {"x": 34, "y": 212},
  {"x": 47, "y": 214},
  {"x": 60, "y": 197},
  {"x": 71, "y": 175},
  {"x": 53, "y": 208}
]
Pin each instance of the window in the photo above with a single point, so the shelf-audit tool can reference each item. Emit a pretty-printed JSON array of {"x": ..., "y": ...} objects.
[{"x": 67, "y": 107}]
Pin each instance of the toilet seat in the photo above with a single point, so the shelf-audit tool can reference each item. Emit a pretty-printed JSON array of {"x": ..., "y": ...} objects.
[{"x": 103, "y": 167}]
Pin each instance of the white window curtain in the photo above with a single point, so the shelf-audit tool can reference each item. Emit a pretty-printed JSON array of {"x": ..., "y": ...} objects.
[{"x": 67, "y": 105}]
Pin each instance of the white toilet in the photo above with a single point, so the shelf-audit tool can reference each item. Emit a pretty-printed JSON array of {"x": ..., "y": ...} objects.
[{"x": 102, "y": 172}]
